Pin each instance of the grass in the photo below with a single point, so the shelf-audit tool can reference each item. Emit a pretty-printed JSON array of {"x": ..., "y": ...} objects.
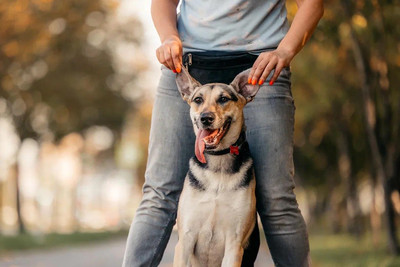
[
  {"x": 26, "y": 241},
  {"x": 347, "y": 251}
]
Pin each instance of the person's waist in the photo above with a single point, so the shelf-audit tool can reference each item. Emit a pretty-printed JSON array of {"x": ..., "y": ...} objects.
[{"x": 219, "y": 59}]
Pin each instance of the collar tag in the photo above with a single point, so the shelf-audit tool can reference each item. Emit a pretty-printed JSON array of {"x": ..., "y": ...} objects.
[{"x": 234, "y": 150}]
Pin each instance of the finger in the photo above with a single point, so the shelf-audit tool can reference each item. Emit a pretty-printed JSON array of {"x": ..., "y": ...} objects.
[
  {"x": 161, "y": 58},
  {"x": 168, "y": 59},
  {"x": 271, "y": 65},
  {"x": 158, "y": 55},
  {"x": 180, "y": 58},
  {"x": 259, "y": 70},
  {"x": 253, "y": 69},
  {"x": 278, "y": 70},
  {"x": 176, "y": 58}
]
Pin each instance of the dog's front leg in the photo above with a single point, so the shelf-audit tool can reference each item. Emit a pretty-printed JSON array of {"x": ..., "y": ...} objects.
[
  {"x": 184, "y": 250},
  {"x": 233, "y": 254},
  {"x": 178, "y": 255}
]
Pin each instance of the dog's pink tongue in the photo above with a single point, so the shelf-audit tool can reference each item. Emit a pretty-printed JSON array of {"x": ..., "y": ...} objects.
[{"x": 201, "y": 145}]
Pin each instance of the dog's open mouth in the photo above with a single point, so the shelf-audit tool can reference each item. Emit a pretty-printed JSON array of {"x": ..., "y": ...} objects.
[
  {"x": 209, "y": 139},
  {"x": 214, "y": 137}
]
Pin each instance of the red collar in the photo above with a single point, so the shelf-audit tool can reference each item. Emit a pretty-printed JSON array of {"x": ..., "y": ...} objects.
[{"x": 233, "y": 149}]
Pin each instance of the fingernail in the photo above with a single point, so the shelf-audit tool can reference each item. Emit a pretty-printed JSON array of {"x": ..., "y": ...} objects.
[
  {"x": 254, "y": 82},
  {"x": 271, "y": 82},
  {"x": 174, "y": 71},
  {"x": 178, "y": 70},
  {"x": 261, "y": 82},
  {"x": 249, "y": 80}
]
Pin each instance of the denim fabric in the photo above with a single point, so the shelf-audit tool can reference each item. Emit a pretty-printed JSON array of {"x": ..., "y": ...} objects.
[{"x": 269, "y": 119}]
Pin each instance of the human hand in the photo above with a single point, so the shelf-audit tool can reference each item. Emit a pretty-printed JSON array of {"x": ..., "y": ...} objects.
[
  {"x": 170, "y": 53},
  {"x": 266, "y": 62}
]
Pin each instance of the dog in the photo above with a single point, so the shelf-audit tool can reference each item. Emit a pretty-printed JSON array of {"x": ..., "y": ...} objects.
[{"x": 217, "y": 206}]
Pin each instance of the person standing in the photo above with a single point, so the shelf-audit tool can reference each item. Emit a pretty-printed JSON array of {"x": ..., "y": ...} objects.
[{"x": 216, "y": 40}]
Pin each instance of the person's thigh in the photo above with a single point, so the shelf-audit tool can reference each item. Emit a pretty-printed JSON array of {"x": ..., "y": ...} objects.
[
  {"x": 171, "y": 143},
  {"x": 170, "y": 148},
  {"x": 270, "y": 125}
]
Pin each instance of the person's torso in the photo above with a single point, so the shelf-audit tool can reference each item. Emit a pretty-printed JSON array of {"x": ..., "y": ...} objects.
[{"x": 232, "y": 25}]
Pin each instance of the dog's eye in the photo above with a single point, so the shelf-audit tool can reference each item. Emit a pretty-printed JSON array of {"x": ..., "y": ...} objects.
[
  {"x": 198, "y": 100},
  {"x": 223, "y": 99}
]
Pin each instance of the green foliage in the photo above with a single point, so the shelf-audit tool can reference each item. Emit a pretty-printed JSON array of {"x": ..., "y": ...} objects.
[
  {"x": 339, "y": 94},
  {"x": 327, "y": 89}
]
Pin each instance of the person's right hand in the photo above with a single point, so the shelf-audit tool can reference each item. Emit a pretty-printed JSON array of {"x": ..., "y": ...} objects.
[{"x": 170, "y": 53}]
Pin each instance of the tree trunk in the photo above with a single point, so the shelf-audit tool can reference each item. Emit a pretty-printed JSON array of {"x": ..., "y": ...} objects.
[
  {"x": 370, "y": 121},
  {"x": 21, "y": 225},
  {"x": 376, "y": 156},
  {"x": 353, "y": 210}
]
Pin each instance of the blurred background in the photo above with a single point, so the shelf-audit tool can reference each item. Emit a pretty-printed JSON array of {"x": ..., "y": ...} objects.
[{"x": 77, "y": 81}]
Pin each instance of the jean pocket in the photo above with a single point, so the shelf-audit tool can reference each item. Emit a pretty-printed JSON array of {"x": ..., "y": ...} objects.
[
  {"x": 280, "y": 89},
  {"x": 167, "y": 84},
  {"x": 167, "y": 72}
]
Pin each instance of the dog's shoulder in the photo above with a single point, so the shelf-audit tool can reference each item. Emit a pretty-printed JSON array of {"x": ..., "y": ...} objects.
[
  {"x": 242, "y": 158},
  {"x": 194, "y": 181},
  {"x": 235, "y": 171}
]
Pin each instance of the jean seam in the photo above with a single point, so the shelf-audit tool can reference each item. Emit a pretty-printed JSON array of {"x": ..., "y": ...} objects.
[{"x": 157, "y": 251}]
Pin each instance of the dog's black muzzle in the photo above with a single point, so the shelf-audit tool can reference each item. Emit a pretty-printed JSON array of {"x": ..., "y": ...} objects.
[{"x": 207, "y": 118}]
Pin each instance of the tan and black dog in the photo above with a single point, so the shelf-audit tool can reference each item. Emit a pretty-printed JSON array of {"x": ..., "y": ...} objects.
[{"x": 217, "y": 207}]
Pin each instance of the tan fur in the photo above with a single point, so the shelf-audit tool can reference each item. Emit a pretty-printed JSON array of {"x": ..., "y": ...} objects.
[
  {"x": 215, "y": 231},
  {"x": 211, "y": 93}
]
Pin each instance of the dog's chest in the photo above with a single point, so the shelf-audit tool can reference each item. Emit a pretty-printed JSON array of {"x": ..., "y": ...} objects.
[
  {"x": 214, "y": 198},
  {"x": 220, "y": 207},
  {"x": 217, "y": 205},
  {"x": 219, "y": 176}
]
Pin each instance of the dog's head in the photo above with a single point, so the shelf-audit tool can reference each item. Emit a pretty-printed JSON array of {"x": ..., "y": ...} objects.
[{"x": 216, "y": 109}]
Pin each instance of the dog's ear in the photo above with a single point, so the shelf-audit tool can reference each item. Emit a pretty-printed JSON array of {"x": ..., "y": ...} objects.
[
  {"x": 241, "y": 85},
  {"x": 186, "y": 84}
]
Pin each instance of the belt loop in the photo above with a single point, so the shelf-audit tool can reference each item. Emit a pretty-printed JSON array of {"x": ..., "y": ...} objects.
[{"x": 188, "y": 60}]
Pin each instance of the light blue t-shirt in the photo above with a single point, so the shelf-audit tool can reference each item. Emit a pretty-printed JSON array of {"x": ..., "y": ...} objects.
[{"x": 232, "y": 25}]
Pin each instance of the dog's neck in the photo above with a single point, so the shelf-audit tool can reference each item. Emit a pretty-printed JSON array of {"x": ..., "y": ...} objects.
[
  {"x": 232, "y": 149},
  {"x": 223, "y": 160}
]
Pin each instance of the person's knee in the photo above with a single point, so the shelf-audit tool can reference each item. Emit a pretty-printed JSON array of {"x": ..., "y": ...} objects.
[
  {"x": 158, "y": 200},
  {"x": 279, "y": 210}
]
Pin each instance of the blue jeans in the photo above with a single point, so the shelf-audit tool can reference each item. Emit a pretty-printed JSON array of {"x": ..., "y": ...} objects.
[{"x": 269, "y": 119}]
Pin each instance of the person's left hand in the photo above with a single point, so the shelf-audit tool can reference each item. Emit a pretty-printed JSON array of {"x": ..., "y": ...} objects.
[{"x": 268, "y": 61}]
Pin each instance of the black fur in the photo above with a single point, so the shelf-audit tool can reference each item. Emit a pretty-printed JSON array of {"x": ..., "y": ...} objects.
[
  {"x": 194, "y": 182},
  {"x": 200, "y": 164},
  {"x": 247, "y": 178},
  {"x": 233, "y": 96},
  {"x": 243, "y": 157},
  {"x": 251, "y": 251},
  {"x": 239, "y": 160}
]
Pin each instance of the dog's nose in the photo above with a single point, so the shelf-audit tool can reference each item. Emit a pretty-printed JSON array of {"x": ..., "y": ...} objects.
[{"x": 207, "y": 118}]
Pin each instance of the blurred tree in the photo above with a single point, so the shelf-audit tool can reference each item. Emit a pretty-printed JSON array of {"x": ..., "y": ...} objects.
[
  {"x": 353, "y": 121},
  {"x": 60, "y": 66},
  {"x": 372, "y": 53}
]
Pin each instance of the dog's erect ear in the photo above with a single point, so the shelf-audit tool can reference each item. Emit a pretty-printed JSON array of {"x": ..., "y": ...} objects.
[
  {"x": 186, "y": 84},
  {"x": 241, "y": 85}
]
